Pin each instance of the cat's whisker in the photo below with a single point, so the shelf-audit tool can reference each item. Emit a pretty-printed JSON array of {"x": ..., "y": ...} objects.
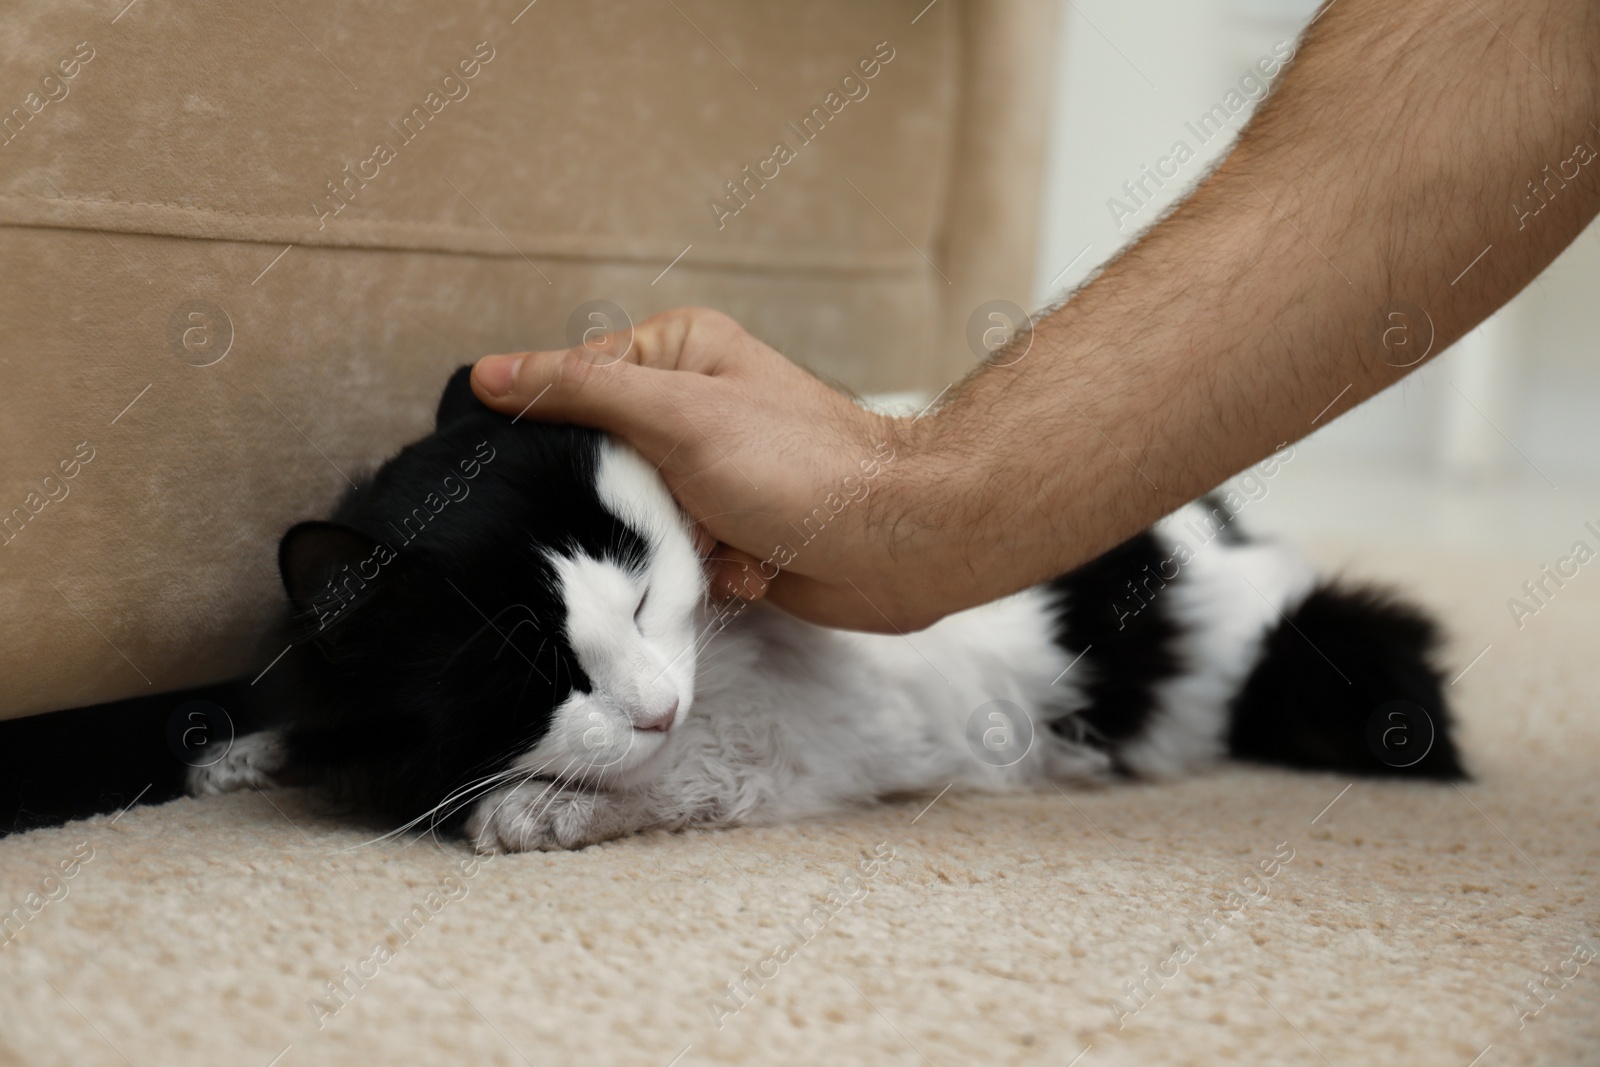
[
  {"x": 712, "y": 628},
  {"x": 470, "y": 793},
  {"x": 703, "y": 658},
  {"x": 553, "y": 793},
  {"x": 512, "y": 791},
  {"x": 591, "y": 773},
  {"x": 460, "y": 797},
  {"x": 488, "y": 782}
]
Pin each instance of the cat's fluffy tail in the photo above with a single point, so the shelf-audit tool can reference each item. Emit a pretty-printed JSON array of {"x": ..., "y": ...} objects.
[{"x": 1346, "y": 682}]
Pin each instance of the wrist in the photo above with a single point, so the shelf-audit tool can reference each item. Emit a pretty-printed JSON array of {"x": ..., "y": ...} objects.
[{"x": 936, "y": 521}]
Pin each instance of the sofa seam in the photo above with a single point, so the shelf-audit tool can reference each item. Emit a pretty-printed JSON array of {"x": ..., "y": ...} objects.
[{"x": 725, "y": 262}]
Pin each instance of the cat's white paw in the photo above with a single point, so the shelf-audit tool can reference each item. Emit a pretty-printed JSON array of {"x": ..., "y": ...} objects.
[
  {"x": 549, "y": 816},
  {"x": 250, "y": 762}
]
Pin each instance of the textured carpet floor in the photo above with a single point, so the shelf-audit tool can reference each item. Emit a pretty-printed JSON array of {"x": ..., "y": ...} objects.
[{"x": 1003, "y": 931}]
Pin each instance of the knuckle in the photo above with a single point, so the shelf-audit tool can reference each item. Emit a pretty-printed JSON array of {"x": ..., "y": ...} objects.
[
  {"x": 572, "y": 369},
  {"x": 709, "y": 319}
]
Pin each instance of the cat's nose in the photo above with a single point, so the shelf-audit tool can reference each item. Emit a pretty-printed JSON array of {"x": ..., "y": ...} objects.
[{"x": 661, "y": 720}]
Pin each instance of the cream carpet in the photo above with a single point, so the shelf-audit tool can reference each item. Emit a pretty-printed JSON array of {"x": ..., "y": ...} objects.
[{"x": 997, "y": 931}]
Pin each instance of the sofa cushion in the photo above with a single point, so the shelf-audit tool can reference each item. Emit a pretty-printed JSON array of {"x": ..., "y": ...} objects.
[{"x": 243, "y": 247}]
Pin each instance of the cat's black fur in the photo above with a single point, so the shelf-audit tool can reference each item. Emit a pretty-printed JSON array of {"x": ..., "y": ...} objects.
[
  {"x": 459, "y": 656},
  {"x": 1340, "y": 659},
  {"x": 1127, "y": 657}
]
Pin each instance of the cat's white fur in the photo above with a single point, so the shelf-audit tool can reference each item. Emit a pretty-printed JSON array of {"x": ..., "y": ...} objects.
[
  {"x": 1229, "y": 596},
  {"x": 249, "y": 763},
  {"x": 776, "y": 719}
]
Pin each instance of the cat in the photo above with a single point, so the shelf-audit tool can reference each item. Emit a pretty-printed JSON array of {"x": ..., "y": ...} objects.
[{"x": 506, "y": 634}]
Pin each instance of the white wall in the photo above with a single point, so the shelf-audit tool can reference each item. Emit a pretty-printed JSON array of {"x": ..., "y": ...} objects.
[{"x": 1132, "y": 74}]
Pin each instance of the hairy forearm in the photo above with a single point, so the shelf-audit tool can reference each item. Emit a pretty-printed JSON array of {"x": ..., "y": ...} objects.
[{"x": 1399, "y": 146}]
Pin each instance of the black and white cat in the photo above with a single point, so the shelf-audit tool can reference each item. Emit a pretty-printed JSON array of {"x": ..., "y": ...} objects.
[{"x": 506, "y": 632}]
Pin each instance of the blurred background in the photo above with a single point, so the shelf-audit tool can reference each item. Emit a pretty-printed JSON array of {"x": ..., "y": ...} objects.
[{"x": 1492, "y": 446}]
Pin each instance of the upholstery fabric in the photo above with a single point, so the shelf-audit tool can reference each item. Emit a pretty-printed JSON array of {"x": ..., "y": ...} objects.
[{"x": 243, "y": 245}]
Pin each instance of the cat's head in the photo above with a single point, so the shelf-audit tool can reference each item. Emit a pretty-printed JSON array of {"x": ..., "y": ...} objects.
[{"x": 499, "y": 599}]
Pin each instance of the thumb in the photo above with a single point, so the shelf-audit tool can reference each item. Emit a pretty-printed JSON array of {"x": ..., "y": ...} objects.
[{"x": 619, "y": 397}]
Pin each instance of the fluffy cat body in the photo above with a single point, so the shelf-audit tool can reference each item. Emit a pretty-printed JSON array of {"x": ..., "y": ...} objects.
[
  {"x": 793, "y": 721},
  {"x": 632, "y": 703}
]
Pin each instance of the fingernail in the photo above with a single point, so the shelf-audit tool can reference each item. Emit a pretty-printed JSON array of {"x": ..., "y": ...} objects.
[{"x": 497, "y": 374}]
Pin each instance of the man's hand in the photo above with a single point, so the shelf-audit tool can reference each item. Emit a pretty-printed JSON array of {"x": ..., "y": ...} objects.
[{"x": 790, "y": 479}]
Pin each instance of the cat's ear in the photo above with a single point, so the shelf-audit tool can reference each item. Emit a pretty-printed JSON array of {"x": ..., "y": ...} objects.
[
  {"x": 458, "y": 400},
  {"x": 313, "y": 557}
]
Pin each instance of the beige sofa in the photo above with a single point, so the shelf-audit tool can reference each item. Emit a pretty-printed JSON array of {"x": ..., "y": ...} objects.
[{"x": 242, "y": 247}]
